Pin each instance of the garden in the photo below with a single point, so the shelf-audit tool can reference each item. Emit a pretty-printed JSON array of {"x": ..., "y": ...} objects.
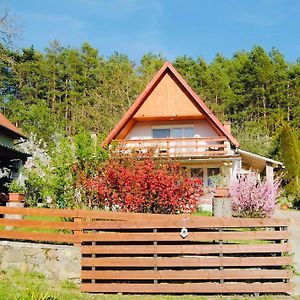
[{"x": 79, "y": 173}]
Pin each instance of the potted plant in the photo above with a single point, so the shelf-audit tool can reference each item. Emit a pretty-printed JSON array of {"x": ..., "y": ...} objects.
[
  {"x": 285, "y": 202},
  {"x": 16, "y": 191},
  {"x": 220, "y": 192},
  {"x": 219, "y": 186}
]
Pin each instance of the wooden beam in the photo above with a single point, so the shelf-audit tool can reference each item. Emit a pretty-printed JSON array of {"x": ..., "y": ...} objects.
[
  {"x": 124, "y": 132},
  {"x": 184, "y": 262},
  {"x": 186, "y": 274},
  {"x": 169, "y": 118},
  {"x": 229, "y": 288}
]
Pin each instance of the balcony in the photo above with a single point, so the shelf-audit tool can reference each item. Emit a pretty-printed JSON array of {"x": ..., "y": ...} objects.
[{"x": 182, "y": 147}]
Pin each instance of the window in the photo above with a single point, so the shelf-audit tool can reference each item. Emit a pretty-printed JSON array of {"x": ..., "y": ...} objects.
[
  {"x": 197, "y": 173},
  {"x": 161, "y": 133},
  {"x": 205, "y": 173},
  {"x": 212, "y": 172},
  {"x": 173, "y": 132}
]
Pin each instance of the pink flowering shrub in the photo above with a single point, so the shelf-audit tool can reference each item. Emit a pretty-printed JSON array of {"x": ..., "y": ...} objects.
[{"x": 253, "y": 198}]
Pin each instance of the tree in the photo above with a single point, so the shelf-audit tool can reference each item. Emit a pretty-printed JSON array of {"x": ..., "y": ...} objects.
[
  {"x": 253, "y": 137},
  {"x": 290, "y": 155},
  {"x": 150, "y": 64},
  {"x": 8, "y": 27}
]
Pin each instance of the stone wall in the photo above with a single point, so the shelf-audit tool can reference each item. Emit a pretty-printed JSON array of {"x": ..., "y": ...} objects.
[{"x": 55, "y": 261}]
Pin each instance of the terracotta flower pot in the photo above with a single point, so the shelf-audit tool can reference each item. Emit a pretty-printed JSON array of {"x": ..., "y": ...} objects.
[
  {"x": 16, "y": 197},
  {"x": 284, "y": 206},
  {"x": 221, "y": 193}
]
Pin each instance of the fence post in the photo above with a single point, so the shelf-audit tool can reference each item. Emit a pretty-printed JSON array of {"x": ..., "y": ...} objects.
[
  {"x": 77, "y": 232},
  {"x": 15, "y": 200},
  {"x": 221, "y": 268},
  {"x": 155, "y": 256}
]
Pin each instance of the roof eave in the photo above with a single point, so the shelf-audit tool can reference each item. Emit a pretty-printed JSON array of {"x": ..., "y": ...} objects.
[
  {"x": 136, "y": 105},
  {"x": 257, "y": 156},
  {"x": 13, "y": 133}
]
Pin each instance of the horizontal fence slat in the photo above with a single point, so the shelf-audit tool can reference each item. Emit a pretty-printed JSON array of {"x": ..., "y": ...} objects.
[
  {"x": 72, "y": 213},
  {"x": 136, "y": 220},
  {"x": 40, "y": 224},
  {"x": 186, "y": 274},
  {"x": 192, "y": 236},
  {"x": 186, "y": 261},
  {"x": 37, "y": 236},
  {"x": 202, "y": 288},
  {"x": 185, "y": 249},
  {"x": 201, "y": 222},
  {"x": 65, "y": 213}
]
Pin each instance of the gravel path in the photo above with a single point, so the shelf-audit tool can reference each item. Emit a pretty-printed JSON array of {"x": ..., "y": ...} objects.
[{"x": 294, "y": 215}]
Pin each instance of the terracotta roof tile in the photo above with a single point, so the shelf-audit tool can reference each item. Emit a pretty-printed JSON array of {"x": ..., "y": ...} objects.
[{"x": 4, "y": 122}]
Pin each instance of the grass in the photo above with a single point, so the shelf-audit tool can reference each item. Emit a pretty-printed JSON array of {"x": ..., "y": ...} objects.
[
  {"x": 15, "y": 285},
  {"x": 40, "y": 218},
  {"x": 203, "y": 213}
]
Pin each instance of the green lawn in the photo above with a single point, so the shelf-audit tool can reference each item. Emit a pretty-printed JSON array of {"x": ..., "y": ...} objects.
[{"x": 15, "y": 285}]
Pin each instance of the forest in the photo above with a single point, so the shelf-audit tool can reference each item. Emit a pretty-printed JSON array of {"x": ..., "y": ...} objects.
[{"x": 64, "y": 89}]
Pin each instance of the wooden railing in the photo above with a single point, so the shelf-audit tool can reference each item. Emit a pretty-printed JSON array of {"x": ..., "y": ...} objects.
[
  {"x": 144, "y": 253},
  {"x": 208, "y": 146}
]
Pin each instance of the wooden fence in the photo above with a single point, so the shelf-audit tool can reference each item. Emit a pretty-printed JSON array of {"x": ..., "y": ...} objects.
[{"x": 136, "y": 253}]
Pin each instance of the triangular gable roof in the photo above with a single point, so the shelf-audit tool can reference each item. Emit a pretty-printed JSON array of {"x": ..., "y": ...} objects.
[
  {"x": 150, "y": 87},
  {"x": 9, "y": 127}
]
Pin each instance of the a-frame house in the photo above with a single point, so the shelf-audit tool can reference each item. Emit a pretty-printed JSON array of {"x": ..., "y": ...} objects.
[{"x": 170, "y": 117}]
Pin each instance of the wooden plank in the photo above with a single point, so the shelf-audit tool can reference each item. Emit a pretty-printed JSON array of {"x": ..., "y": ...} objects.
[
  {"x": 170, "y": 118},
  {"x": 67, "y": 213},
  {"x": 138, "y": 219},
  {"x": 201, "y": 288},
  {"x": 39, "y": 224},
  {"x": 189, "y": 222},
  {"x": 186, "y": 274},
  {"x": 192, "y": 236},
  {"x": 141, "y": 146},
  {"x": 186, "y": 261},
  {"x": 37, "y": 236},
  {"x": 186, "y": 249},
  {"x": 126, "y": 129},
  {"x": 171, "y": 140}
]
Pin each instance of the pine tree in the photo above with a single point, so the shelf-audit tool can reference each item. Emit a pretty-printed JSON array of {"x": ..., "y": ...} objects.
[{"x": 290, "y": 156}]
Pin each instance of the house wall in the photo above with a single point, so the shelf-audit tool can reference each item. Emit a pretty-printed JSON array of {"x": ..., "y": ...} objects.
[
  {"x": 225, "y": 168},
  {"x": 6, "y": 140},
  {"x": 168, "y": 99},
  {"x": 143, "y": 130}
]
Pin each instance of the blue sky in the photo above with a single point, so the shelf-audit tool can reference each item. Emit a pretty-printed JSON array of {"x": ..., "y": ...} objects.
[{"x": 171, "y": 27}]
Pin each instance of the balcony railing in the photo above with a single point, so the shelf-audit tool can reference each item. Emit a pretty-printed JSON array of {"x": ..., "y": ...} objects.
[{"x": 182, "y": 147}]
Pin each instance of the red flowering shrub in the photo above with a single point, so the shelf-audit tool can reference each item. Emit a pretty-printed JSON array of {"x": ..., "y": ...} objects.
[{"x": 143, "y": 185}]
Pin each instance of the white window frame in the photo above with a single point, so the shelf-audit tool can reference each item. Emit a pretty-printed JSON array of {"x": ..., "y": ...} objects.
[
  {"x": 171, "y": 127},
  {"x": 205, "y": 172}
]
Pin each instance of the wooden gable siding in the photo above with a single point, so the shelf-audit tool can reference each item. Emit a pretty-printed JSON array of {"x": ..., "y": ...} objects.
[
  {"x": 167, "y": 100},
  {"x": 167, "y": 104}
]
